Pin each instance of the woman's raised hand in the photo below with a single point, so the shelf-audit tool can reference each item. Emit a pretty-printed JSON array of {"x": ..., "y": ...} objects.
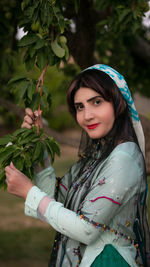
[
  {"x": 31, "y": 118},
  {"x": 17, "y": 183}
]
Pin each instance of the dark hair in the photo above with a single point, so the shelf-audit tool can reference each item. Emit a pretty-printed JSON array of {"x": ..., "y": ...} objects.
[{"x": 100, "y": 82}]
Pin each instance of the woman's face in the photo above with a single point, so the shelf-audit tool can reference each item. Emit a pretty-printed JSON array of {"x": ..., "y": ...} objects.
[{"x": 94, "y": 114}]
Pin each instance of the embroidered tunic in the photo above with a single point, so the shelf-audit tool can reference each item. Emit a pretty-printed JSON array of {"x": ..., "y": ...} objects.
[{"x": 94, "y": 209}]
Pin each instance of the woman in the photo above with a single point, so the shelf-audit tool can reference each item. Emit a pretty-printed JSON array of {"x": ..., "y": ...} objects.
[{"x": 98, "y": 207}]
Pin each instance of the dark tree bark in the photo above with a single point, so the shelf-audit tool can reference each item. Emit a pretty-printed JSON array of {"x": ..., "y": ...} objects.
[
  {"x": 142, "y": 49},
  {"x": 81, "y": 41}
]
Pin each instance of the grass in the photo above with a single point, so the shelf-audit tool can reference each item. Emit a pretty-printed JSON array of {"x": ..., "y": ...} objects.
[
  {"x": 26, "y": 241},
  {"x": 31, "y": 243}
]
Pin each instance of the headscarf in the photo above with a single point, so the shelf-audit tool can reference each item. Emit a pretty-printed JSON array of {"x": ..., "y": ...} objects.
[{"x": 141, "y": 228}]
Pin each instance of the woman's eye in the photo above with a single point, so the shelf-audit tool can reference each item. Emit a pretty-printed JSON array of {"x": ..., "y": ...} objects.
[
  {"x": 79, "y": 107},
  {"x": 97, "y": 102}
]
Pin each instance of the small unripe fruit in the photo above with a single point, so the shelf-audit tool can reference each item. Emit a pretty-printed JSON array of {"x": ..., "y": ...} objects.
[
  {"x": 35, "y": 26},
  {"x": 63, "y": 39}
]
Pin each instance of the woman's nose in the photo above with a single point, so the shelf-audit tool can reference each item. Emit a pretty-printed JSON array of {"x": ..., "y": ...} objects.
[{"x": 88, "y": 114}]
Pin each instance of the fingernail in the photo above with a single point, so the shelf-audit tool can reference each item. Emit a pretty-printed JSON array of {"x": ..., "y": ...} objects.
[{"x": 36, "y": 113}]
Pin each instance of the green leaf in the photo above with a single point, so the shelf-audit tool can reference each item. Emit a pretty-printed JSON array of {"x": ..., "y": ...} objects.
[
  {"x": 30, "y": 11},
  {"x": 30, "y": 61},
  {"x": 124, "y": 14},
  {"x": 5, "y": 155},
  {"x": 54, "y": 146},
  {"x": 50, "y": 150},
  {"x": 6, "y": 139},
  {"x": 17, "y": 153},
  {"x": 28, "y": 159},
  {"x": 36, "y": 101},
  {"x": 19, "y": 131},
  {"x": 45, "y": 90},
  {"x": 2, "y": 175},
  {"x": 2, "y": 149},
  {"x": 57, "y": 49},
  {"x": 37, "y": 151},
  {"x": 102, "y": 23},
  {"x": 3, "y": 180},
  {"x": 26, "y": 133},
  {"x": 18, "y": 162},
  {"x": 17, "y": 79},
  {"x": 51, "y": 56},
  {"x": 27, "y": 139},
  {"x": 31, "y": 51},
  {"x": 21, "y": 91},
  {"x": 28, "y": 39},
  {"x": 29, "y": 172},
  {"x": 31, "y": 91},
  {"x": 41, "y": 59},
  {"x": 66, "y": 50},
  {"x": 39, "y": 44}
]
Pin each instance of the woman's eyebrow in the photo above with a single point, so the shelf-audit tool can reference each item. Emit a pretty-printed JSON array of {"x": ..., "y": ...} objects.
[
  {"x": 89, "y": 100},
  {"x": 93, "y": 98},
  {"x": 77, "y": 103}
]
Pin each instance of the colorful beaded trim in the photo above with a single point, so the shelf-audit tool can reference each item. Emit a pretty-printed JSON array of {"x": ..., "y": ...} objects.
[{"x": 107, "y": 228}]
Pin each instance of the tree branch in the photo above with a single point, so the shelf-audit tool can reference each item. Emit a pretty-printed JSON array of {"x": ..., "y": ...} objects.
[{"x": 19, "y": 112}]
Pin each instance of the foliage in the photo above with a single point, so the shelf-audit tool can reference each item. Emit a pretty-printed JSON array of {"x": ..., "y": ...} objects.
[
  {"x": 44, "y": 23},
  {"x": 91, "y": 31},
  {"x": 125, "y": 15},
  {"x": 116, "y": 42},
  {"x": 106, "y": 31},
  {"x": 24, "y": 90},
  {"x": 44, "y": 44},
  {"x": 25, "y": 149}
]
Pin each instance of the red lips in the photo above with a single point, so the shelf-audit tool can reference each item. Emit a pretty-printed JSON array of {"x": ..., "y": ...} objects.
[{"x": 92, "y": 126}]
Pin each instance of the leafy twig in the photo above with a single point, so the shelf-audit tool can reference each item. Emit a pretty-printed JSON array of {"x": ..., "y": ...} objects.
[{"x": 40, "y": 84}]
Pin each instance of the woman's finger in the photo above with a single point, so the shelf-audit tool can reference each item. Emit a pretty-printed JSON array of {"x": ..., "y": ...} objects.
[
  {"x": 7, "y": 170},
  {"x": 26, "y": 125},
  {"x": 38, "y": 116},
  {"x": 12, "y": 166},
  {"x": 28, "y": 119},
  {"x": 29, "y": 112}
]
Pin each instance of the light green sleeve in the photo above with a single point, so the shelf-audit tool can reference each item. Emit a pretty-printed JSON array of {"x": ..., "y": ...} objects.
[{"x": 46, "y": 181}]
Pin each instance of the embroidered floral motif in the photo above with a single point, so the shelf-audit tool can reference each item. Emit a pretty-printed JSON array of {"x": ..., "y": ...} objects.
[
  {"x": 75, "y": 186},
  {"x": 127, "y": 223},
  {"x": 76, "y": 251},
  {"x": 102, "y": 181}
]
